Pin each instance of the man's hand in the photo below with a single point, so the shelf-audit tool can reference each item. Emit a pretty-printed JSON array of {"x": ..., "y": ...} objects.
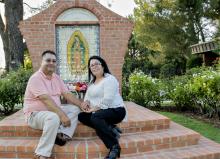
[
  {"x": 65, "y": 120},
  {"x": 52, "y": 106},
  {"x": 85, "y": 106}
]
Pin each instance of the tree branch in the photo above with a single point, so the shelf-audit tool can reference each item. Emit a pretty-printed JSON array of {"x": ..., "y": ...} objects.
[{"x": 30, "y": 6}]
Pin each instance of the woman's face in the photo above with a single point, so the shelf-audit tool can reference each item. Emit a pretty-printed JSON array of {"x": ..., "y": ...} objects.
[{"x": 96, "y": 67}]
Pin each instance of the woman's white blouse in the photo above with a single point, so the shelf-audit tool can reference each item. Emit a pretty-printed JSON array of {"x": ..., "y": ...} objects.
[{"x": 105, "y": 94}]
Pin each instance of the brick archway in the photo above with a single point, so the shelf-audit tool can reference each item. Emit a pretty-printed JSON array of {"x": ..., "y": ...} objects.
[
  {"x": 115, "y": 31},
  {"x": 62, "y": 8}
]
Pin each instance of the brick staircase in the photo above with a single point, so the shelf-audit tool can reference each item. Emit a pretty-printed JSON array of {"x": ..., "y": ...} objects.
[{"x": 146, "y": 135}]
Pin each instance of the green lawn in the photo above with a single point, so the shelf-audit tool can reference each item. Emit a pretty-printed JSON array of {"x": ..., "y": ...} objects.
[{"x": 203, "y": 128}]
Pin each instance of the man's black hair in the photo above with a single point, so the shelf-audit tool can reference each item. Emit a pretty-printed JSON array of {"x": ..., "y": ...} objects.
[{"x": 48, "y": 52}]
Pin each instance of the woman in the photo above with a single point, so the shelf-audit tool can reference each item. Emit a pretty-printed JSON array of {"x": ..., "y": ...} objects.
[{"x": 106, "y": 105}]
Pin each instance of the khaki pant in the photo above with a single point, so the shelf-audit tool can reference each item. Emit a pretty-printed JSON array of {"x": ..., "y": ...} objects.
[{"x": 49, "y": 122}]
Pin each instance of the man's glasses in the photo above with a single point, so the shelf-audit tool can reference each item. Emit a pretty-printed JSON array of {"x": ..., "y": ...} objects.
[
  {"x": 50, "y": 60},
  {"x": 95, "y": 64}
]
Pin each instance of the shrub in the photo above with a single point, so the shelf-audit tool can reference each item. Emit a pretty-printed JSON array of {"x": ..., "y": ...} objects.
[
  {"x": 181, "y": 96},
  {"x": 167, "y": 70},
  {"x": 125, "y": 88},
  {"x": 144, "y": 90},
  {"x": 197, "y": 90},
  {"x": 194, "y": 61},
  {"x": 12, "y": 88},
  {"x": 9, "y": 93},
  {"x": 206, "y": 91}
]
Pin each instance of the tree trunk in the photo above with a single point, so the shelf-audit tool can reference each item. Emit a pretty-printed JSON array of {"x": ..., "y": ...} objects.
[
  {"x": 201, "y": 31},
  {"x": 13, "y": 40},
  {"x": 14, "y": 14}
]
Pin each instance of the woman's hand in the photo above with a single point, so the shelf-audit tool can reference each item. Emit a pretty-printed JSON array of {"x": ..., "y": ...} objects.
[
  {"x": 85, "y": 106},
  {"x": 94, "y": 109}
]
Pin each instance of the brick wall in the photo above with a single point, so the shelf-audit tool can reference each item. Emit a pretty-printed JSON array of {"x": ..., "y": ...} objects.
[{"x": 115, "y": 31}]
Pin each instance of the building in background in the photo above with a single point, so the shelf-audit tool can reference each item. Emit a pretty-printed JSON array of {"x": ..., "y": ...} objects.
[{"x": 210, "y": 51}]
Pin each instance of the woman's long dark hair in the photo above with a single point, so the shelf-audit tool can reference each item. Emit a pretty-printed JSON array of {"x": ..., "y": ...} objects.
[{"x": 103, "y": 63}]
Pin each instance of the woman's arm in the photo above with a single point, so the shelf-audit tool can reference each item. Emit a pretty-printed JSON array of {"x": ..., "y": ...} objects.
[{"x": 111, "y": 87}]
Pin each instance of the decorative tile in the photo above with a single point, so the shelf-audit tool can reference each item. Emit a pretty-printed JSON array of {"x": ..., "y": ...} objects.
[{"x": 88, "y": 39}]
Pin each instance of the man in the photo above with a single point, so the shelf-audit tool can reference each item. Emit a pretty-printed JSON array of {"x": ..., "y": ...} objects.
[{"x": 43, "y": 110}]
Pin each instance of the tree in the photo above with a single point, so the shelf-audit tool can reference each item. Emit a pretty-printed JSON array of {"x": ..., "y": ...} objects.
[
  {"x": 137, "y": 57},
  {"x": 171, "y": 26},
  {"x": 11, "y": 36},
  {"x": 13, "y": 44},
  {"x": 213, "y": 11}
]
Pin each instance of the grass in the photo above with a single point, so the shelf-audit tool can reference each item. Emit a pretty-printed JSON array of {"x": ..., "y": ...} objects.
[{"x": 205, "y": 129}]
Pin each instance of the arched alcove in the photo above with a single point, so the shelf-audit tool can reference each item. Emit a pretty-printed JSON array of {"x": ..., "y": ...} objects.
[{"x": 77, "y": 38}]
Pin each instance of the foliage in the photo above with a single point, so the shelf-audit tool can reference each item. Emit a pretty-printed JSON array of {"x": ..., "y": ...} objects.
[
  {"x": 182, "y": 97},
  {"x": 12, "y": 89},
  {"x": 27, "y": 60},
  {"x": 144, "y": 90},
  {"x": 8, "y": 95},
  {"x": 194, "y": 61},
  {"x": 169, "y": 27},
  {"x": 167, "y": 70},
  {"x": 197, "y": 91},
  {"x": 137, "y": 58},
  {"x": 206, "y": 91},
  {"x": 160, "y": 27},
  {"x": 125, "y": 89}
]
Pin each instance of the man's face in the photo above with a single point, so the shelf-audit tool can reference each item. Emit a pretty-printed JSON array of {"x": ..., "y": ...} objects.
[{"x": 49, "y": 63}]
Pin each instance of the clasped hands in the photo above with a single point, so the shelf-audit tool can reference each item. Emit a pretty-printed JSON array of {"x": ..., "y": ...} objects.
[{"x": 86, "y": 107}]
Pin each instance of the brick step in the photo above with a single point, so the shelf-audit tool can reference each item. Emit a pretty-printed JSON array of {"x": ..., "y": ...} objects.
[
  {"x": 205, "y": 149},
  {"x": 140, "y": 119},
  {"x": 176, "y": 136}
]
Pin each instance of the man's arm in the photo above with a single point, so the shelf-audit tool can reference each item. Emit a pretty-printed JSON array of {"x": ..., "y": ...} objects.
[
  {"x": 51, "y": 106},
  {"x": 72, "y": 99}
]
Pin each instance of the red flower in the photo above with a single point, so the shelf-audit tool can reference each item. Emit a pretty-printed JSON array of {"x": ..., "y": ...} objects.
[{"x": 79, "y": 86}]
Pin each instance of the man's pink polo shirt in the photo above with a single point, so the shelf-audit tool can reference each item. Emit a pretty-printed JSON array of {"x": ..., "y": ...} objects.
[{"x": 40, "y": 84}]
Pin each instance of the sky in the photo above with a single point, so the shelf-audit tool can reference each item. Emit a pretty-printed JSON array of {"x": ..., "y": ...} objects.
[{"x": 122, "y": 7}]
